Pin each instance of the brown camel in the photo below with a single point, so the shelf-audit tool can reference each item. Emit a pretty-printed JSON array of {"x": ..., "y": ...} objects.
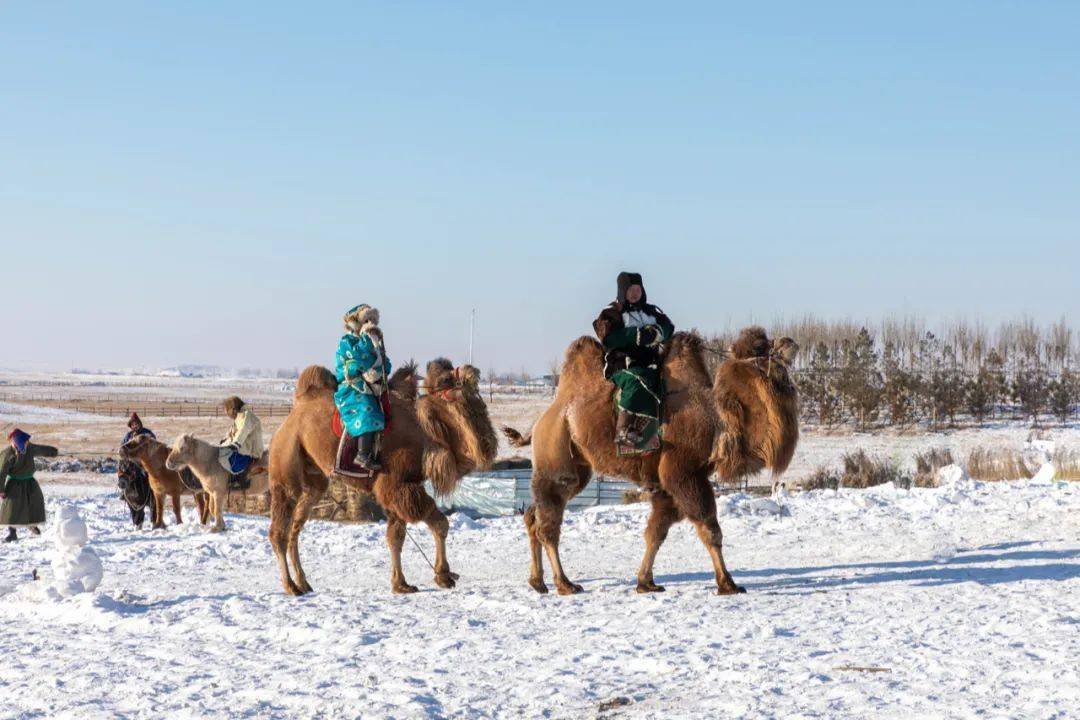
[
  {"x": 151, "y": 455},
  {"x": 441, "y": 436},
  {"x": 742, "y": 422}
]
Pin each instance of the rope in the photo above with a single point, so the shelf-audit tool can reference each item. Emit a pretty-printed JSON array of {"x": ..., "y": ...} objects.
[{"x": 409, "y": 534}]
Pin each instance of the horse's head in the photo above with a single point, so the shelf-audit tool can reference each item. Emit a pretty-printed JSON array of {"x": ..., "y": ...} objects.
[
  {"x": 133, "y": 448},
  {"x": 126, "y": 474},
  {"x": 181, "y": 453}
]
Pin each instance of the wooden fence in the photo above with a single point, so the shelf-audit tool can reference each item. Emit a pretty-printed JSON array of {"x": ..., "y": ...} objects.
[{"x": 149, "y": 406}]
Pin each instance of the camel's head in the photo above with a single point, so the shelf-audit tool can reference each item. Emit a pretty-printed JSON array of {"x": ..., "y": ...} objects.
[
  {"x": 133, "y": 448},
  {"x": 454, "y": 402},
  {"x": 181, "y": 453},
  {"x": 785, "y": 349},
  {"x": 452, "y": 383}
]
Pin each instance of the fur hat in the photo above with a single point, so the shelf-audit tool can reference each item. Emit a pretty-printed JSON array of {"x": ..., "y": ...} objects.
[
  {"x": 233, "y": 405},
  {"x": 625, "y": 281},
  {"x": 134, "y": 419},
  {"x": 361, "y": 319},
  {"x": 19, "y": 439}
]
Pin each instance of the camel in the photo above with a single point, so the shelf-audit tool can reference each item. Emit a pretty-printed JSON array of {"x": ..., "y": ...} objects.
[
  {"x": 152, "y": 455},
  {"x": 441, "y": 436},
  {"x": 743, "y": 421},
  {"x": 202, "y": 457}
]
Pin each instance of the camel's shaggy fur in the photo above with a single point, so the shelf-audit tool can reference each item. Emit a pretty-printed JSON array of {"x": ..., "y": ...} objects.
[
  {"x": 442, "y": 435},
  {"x": 743, "y": 420},
  {"x": 151, "y": 455}
]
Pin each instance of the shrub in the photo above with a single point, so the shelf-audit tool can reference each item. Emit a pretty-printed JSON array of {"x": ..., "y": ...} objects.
[
  {"x": 862, "y": 471},
  {"x": 822, "y": 478},
  {"x": 927, "y": 464},
  {"x": 998, "y": 464},
  {"x": 1067, "y": 462}
]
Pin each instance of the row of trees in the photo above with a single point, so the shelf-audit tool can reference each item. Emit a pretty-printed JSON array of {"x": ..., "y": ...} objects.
[{"x": 860, "y": 380}]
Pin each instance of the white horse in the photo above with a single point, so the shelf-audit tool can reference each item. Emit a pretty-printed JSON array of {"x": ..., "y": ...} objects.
[{"x": 202, "y": 458}]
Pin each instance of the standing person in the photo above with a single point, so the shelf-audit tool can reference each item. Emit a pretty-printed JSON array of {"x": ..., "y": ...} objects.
[
  {"x": 244, "y": 443},
  {"x": 362, "y": 369},
  {"x": 633, "y": 333},
  {"x": 23, "y": 504},
  {"x": 135, "y": 429}
]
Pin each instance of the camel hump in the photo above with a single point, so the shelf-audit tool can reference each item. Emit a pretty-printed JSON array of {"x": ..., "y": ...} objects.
[
  {"x": 315, "y": 380},
  {"x": 584, "y": 358}
]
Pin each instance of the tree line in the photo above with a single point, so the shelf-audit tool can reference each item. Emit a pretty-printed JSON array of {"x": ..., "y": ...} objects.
[{"x": 902, "y": 372}]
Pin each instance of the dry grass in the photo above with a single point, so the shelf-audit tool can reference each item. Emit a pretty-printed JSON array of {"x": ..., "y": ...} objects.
[
  {"x": 822, "y": 478},
  {"x": 927, "y": 464},
  {"x": 998, "y": 464},
  {"x": 860, "y": 470},
  {"x": 1067, "y": 462}
]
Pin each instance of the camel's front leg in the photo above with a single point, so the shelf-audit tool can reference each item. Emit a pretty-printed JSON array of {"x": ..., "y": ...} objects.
[
  {"x": 693, "y": 496},
  {"x": 439, "y": 527},
  {"x": 664, "y": 514},
  {"x": 395, "y": 540}
]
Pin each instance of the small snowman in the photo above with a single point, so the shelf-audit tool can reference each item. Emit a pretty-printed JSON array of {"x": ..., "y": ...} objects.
[{"x": 76, "y": 567}]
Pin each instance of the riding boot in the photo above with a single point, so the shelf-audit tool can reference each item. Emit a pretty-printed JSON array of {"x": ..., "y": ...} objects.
[
  {"x": 626, "y": 428},
  {"x": 12, "y": 536},
  {"x": 35, "y": 530},
  {"x": 240, "y": 481},
  {"x": 365, "y": 452}
]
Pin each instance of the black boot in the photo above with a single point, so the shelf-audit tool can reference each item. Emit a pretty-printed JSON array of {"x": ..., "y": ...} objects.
[
  {"x": 12, "y": 536},
  {"x": 240, "y": 480},
  {"x": 626, "y": 429},
  {"x": 365, "y": 453}
]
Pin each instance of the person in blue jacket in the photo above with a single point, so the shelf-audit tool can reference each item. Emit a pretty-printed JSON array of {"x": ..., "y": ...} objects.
[{"x": 362, "y": 370}]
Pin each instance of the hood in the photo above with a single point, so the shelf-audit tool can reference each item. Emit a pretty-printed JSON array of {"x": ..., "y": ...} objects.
[{"x": 626, "y": 279}]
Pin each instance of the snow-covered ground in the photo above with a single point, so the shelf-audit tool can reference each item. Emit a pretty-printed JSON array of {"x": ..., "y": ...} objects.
[{"x": 961, "y": 601}]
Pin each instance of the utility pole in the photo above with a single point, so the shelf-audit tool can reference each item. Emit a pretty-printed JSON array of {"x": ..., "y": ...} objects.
[{"x": 472, "y": 332}]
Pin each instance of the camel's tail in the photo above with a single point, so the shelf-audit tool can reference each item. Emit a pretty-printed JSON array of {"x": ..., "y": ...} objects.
[{"x": 517, "y": 439}]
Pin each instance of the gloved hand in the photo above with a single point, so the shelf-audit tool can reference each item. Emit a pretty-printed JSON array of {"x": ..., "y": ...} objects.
[{"x": 650, "y": 336}]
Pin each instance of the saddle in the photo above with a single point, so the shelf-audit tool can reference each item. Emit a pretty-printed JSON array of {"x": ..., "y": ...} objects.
[{"x": 356, "y": 476}]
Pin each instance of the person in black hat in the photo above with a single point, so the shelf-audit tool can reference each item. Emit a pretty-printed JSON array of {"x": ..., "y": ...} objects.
[
  {"x": 633, "y": 333},
  {"x": 136, "y": 428}
]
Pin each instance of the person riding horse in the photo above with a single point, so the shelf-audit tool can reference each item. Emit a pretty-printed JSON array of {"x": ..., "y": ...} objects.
[
  {"x": 633, "y": 333},
  {"x": 244, "y": 443},
  {"x": 362, "y": 369}
]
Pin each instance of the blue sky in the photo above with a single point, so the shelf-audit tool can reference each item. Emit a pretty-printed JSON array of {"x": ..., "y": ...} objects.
[{"x": 218, "y": 182}]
